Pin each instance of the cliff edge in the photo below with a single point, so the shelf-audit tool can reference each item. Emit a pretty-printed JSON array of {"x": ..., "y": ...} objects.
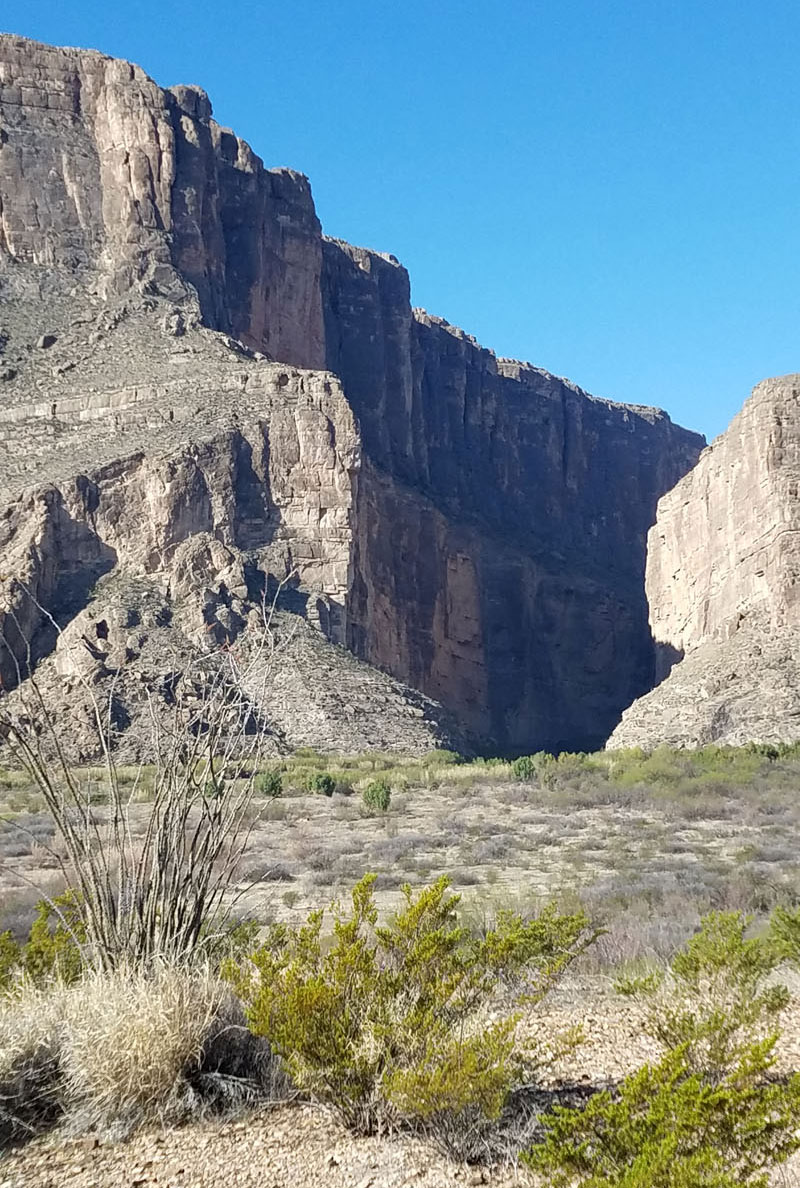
[
  {"x": 723, "y": 584},
  {"x": 186, "y": 359}
]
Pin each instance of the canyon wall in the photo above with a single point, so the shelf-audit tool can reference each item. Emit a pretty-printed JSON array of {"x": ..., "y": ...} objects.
[
  {"x": 501, "y": 521},
  {"x": 723, "y": 584},
  {"x": 490, "y": 548}
]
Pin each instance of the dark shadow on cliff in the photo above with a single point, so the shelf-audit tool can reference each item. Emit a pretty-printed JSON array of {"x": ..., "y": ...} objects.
[
  {"x": 256, "y": 514},
  {"x": 35, "y": 612}
]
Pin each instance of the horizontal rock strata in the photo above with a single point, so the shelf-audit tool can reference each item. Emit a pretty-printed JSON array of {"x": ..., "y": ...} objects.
[{"x": 183, "y": 354}]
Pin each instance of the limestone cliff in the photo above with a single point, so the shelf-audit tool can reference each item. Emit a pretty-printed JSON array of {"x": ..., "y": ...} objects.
[
  {"x": 471, "y": 525},
  {"x": 723, "y": 583},
  {"x": 501, "y": 522},
  {"x": 101, "y": 169}
]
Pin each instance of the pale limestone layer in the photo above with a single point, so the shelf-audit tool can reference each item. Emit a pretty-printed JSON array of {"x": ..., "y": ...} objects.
[
  {"x": 723, "y": 584},
  {"x": 489, "y": 550},
  {"x": 727, "y": 538},
  {"x": 103, "y": 171}
]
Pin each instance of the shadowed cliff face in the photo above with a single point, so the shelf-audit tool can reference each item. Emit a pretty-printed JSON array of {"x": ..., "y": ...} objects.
[
  {"x": 501, "y": 526},
  {"x": 492, "y": 549}
]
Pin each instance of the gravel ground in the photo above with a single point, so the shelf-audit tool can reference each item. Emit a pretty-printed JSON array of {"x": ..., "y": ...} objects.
[{"x": 299, "y": 1146}]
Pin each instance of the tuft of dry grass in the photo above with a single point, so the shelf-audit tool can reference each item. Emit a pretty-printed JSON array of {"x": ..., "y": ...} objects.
[
  {"x": 130, "y": 1042},
  {"x": 30, "y": 1026},
  {"x": 123, "y": 1048}
]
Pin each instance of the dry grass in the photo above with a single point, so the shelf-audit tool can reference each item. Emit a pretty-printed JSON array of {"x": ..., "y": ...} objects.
[
  {"x": 131, "y": 1040},
  {"x": 30, "y": 1027},
  {"x": 120, "y": 1049}
]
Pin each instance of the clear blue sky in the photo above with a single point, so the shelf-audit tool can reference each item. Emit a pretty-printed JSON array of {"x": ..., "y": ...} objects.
[{"x": 608, "y": 189}]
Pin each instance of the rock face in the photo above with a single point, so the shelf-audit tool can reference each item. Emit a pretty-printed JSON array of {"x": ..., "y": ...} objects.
[
  {"x": 723, "y": 583},
  {"x": 187, "y": 363},
  {"x": 501, "y": 519},
  {"x": 101, "y": 169}
]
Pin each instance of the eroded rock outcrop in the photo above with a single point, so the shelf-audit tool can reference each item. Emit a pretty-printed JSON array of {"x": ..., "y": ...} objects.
[
  {"x": 473, "y": 526},
  {"x": 102, "y": 170},
  {"x": 723, "y": 583},
  {"x": 161, "y": 522}
]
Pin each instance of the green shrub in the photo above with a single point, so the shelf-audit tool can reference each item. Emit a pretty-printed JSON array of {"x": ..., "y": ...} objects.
[
  {"x": 389, "y": 1024},
  {"x": 668, "y": 1127},
  {"x": 523, "y": 768},
  {"x": 784, "y": 935},
  {"x": 377, "y": 795},
  {"x": 10, "y": 956},
  {"x": 442, "y": 758},
  {"x": 269, "y": 783},
  {"x": 708, "y": 1114},
  {"x": 713, "y": 1000},
  {"x": 323, "y": 783},
  {"x": 542, "y": 766},
  {"x": 53, "y": 948}
]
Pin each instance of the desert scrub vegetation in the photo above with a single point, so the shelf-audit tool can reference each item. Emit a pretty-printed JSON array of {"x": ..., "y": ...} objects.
[
  {"x": 113, "y": 1011},
  {"x": 153, "y": 897},
  {"x": 667, "y": 1127},
  {"x": 713, "y": 1000},
  {"x": 377, "y": 795},
  {"x": 52, "y": 951},
  {"x": 390, "y": 1024},
  {"x": 710, "y": 1111}
]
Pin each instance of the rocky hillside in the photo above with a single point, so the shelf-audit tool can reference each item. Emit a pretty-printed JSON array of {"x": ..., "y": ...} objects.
[
  {"x": 202, "y": 393},
  {"x": 723, "y": 582}
]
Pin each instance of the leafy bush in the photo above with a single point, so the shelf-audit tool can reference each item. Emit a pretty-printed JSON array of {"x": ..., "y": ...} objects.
[
  {"x": 668, "y": 1127},
  {"x": 713, "y": 1000},
  {"x": 541, "y": 766},
  {"x": 269, "y": 783},
  {"x": 53, "y": 948},
  {"x": 442, "y": 758},
  {"x": 377, "y": 795},
  {"x": 388, "y": 1024},
  {"x": 784, "y": 935},
  {"x": 323, "y": 783},
  {"x": 708, "y": 1113},
  {"x": 523, "y": 768}
]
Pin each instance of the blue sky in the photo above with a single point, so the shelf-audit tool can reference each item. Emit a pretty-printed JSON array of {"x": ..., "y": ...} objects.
[{"x": 609, "y": 190}]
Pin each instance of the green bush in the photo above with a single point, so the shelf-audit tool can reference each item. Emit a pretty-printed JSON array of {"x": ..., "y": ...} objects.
[
  {"x": 442, "y": 758},
  {"x": 523, "y": 768},
  {"x": 713, "y": 999},
  {"x": 269, "y": 783},
  {"x": 389, "y": 1024},
  {"x": 709, "y": 1114},
  {"x": 53, "y": 948},
  {"x": 377, "y": 795},
  {"x": 323, "y": 783},
  {"x": 668, "y": 1127},
  {"x": 784, "y": 935},
  {"x": 542, "y": 766}
]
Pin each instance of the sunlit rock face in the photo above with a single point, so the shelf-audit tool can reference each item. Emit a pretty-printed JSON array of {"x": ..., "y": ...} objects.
[
  {"x": 185, "y": 358},
  {"x": 723, "y": 583}
]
